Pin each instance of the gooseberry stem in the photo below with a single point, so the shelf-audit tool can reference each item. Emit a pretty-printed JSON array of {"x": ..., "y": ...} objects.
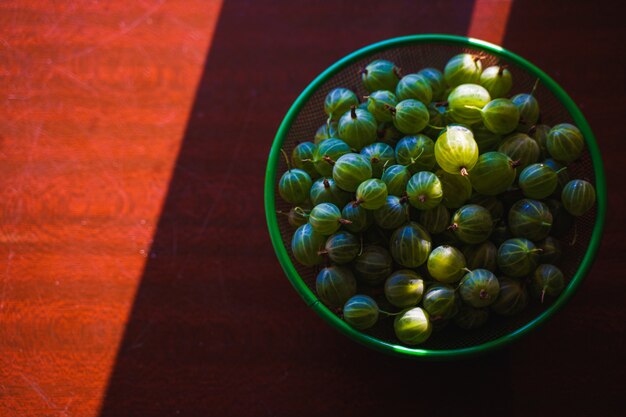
[
  {"x": 501, "y": 70},
  {"x": 301, "y": 211},
  {"x": 414, "y": 160},
  {"x": 543, "y": 294},
  {"x": 562, "y": 169},
  {"x": 375, "y": 160},
  {"x": 422, "y": 198},
  {"x": 573, "y": 242},
  {"x": 516, "y": 163},
  {"x": 397, "y": 71},
  {"x": 326, "y": 183},
  {"x": 388, "y": 313},
  {"x": 328, "y": 159},
  {"x": 466, "y": 270},
  {"x": 345, "y": 221},
  {"x": 473, "y": 107},
  {"x": 453, "y": 227},
  {"x": 353, "y": 112},
  {"x": 464, "y": 172},
  {"x": 435, "y": 127},
  {"x": 322, "y": 252},
  {"x": 391, "y": 109},
  {"x": 286, "y": 159},
  {"x": 532, "y": 92},
  {"x": 357, "y": 202}
]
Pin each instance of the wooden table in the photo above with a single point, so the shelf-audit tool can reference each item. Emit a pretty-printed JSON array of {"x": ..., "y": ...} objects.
[{"x": 137, "y": 277}]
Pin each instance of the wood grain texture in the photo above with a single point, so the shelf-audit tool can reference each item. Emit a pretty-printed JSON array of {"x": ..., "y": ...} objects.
[{"x": 138, "y": 278}]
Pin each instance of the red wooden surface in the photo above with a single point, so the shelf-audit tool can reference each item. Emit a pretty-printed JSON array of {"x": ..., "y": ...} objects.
[{"x": 137, "y": 276}]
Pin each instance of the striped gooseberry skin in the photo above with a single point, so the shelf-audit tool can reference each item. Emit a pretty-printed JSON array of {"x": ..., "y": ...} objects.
[
  {"x": 373, "y": 265},
  {"x": 435, "y": 220},
  {"x": 486, "y": 140},
  {"x": 414, "y": 86},
  {"x": 436, "y": 120},
  {"x": 306, "y": 245},
  {"x": 491, "y": 203},
  {"x": 457, "y": 189},
  {"x": 520, "y": 148},
  {"x": 578, "y": 197},
  {"x": 417, "y": 153},
  {"x": 528, "y": 107},
  {"x": 512, "y": 299},
  {"x": 378, "y": 103},
  {"x": 550, "y": 250},
  {"x": 546, "y": 280},
  {"x": 371, "y": 194},
  {"x": 538, "y": 181},
  {"x": 380, "y": 155},
  {"x": 302, "y": 158},
  {"x": 335, "y": 285},
  {"x": 393, "y": 214},
  {"x": 342, "y": 247},
  {"x": 446, "y": 264},
  {"x": 412, "y": 326},
  {"x": 325, "y": 218},
  {"x": 410, "y": 245},
  {"x": 360, "y": 217},
  {"x": 436, "y": 81},
  {"x": 396, "y": 177},
  {"x": 351, "y": 170},
  {"x": 500, "y": 116},
  {"x": 530, "y": 219},
  {"x": 358, "y": 128},
  {"x": 297, "y": 216},
  {"x": 565, "y": 143},
  {"x": 361, "y": 312},
  {"x": 338, "y": 101},
  {"x": 462, "y": 69},
  {"x": 424, "y": 190},
  {"x": 472, "y": 224},
  {"x": 497, "y": 80},
  {"x": 466, "y": 101},
  {"x": 493, "y": 174},
  {"x": 325, "y": 131},
  {"x": 540, "y": 134},
  {"x": 456, "y": 150},
  {"x": 404, "y": 288},
  {"x": 380, "y": 75},
  {"x": 441, "y": 302},
  {"x": 517, "y": 257},
  {"x": 294, "y": 186},
  {"x": 481, "y": 256},
  {"x": 471, "y": 318},
  {"x": 479, "y": 288},
  {"x": 561, "y": 173},
  {"x": 325, "y": 190},
  {"x": 410, "y": 116},
  {"x": 327, "y": 154}
]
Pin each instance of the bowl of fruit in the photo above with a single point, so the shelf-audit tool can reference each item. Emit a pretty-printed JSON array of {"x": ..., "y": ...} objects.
[{"x": 435, "y": 196}]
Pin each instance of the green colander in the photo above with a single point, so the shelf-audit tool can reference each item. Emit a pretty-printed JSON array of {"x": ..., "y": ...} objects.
[{"x": 413, "y": 53}]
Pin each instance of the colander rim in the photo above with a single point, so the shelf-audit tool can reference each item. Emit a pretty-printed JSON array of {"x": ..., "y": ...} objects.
[{"x": 445, "y": 354}]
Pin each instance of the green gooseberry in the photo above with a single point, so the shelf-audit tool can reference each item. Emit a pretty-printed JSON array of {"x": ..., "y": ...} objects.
[
  {"x": 500, "y": 116},
  {"x": 325, "y": 190},
  {"x": 530, "y": 219},
  {"x": 307, "y": 244},
  {"x": 481, "y": 256},
  {"x": 380, "y": 155},
  {"x": 359, "y": 217},
  {"x": 520, "y": 148},
  {"x": 494, "y": 173},
  {"x": 486, "y": 140},
  {"x": 446, "y": 264},
  {"x": 578, "y": 197},
  {"x": 373, "y": 265},
  {"x": 361, "y": 312},
  {"x": 294, "y": 186},
  {"x": 528, "y": 107},
  {"x": 378, "y": 103},
  {"x": 547, "y": 280},
  {"x": 302, "y": 158},
  {"x": 327, "y": 153},
  {"x": 424, "y": 190},
  {"x": 562, "y": 220},
  {"x": 358, "y": 128},
  {"x": 371, "y": 194},
  {"x": 410, "y": 245},
  {"x": 335, "y": 285},
  {"x": 469, "y": 318},
  {"x": 410, "y": 116},
  {"x": 472, "y": 224},
  {"x": 380, "y": 75},
  {"x": 338, "y": 101},
  {"x": 416, "y": 152},
  {"x": 565, "y": 143},
  {"x": 512, "y": 299},
  {"x": 296, "y": 216},
  {"x": 466, "y": 102},
  {"x": 393, "y": 214},
  {"x": 326, "y": 219},
  {"x": 497, "y": 80},
  {"x": 435, "y": 220},
  {"x": 550, "y": 250},
  {"x": 456, "y": 150},
  {"x": 414, "y": 86},
  {"x": 456, "y": 189},
  {"x": 404, "y": 288},
  {"x": 342, "y": 247},
  {"x": 325, "y": 131},
  {"x": 436, "y": 81},
  {"x": 387, "y": 133},
  {"x": 538, "y": 181},
  {"x": 412, "y": 326},
  {"x": 462, "y": 69},
  {"x": 396, "y": 177},
  {"x": 517, "y": 257},
  {"x": 479, "y": 288},
  {"x": 441, "y": 302},
  {"x": 561, "y": 173},
  {"x": 540, "y": 134},
  {"x": 350, "y": 170},
  {"x": 436, "y": 120}
]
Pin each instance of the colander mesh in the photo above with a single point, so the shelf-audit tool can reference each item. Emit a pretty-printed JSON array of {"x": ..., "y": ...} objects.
[{"x": 411, "y": 59}]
